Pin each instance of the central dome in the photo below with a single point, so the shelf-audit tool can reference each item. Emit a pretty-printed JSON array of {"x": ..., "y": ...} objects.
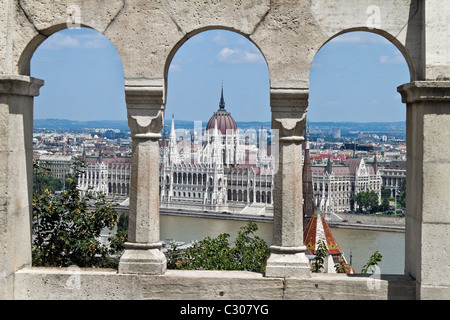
[{"x": 223, "y": 118}]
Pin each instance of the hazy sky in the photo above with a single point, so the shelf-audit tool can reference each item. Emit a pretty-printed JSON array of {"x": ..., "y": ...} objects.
[{"x": 353, "y": 78}]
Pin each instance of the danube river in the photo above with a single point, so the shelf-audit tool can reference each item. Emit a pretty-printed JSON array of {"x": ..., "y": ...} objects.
[{"x": 360, "y": 244}]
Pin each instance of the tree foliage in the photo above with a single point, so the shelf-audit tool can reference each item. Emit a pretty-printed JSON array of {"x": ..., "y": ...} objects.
[
  {"x": 372, "y": 262},
  {"x": 319, "y": 259},
  {"x": 340, "y": 267},
  {"x": 249, "y": 252},
  {"x": 367, "y": 201},
  {"x": 67, "y": 226},
  {"x": 42, "y": 178}
]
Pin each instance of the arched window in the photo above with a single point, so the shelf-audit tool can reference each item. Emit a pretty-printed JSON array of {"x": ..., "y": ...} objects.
[{"x": 366, "y": 70}]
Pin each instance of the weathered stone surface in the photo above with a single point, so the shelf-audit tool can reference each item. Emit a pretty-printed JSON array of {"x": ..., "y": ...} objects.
[
  {"x": 75, "y": 284},
  {"x": 212, "y": 285},
  {"x": 48, "y": 16},
  {"x": 354, "y": 287},
  {"x": 16, "y": 116},
  {"x": 289, "y": 33},
  {"x": 81, "y": 284}
]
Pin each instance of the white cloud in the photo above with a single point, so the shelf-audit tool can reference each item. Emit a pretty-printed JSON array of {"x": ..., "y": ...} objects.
[
  {"x": 348, "y": 37},
  {"x": 332, "y": 103},
  {"x": 93, "y": 41},
  {"x": 226, "y": 53},
  {"x": 236, "y": 56},
  {"x": 220, "y": 40},
  {"x": 63, "y": 41},
  {"x": 395, "y": 58},
  {"x": 60, "y": 41},
  {"x": 359, "y": 37},
  {"x": 175, "y": 67}
]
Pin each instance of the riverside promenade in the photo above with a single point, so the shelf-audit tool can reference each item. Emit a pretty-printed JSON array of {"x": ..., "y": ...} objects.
[{"x": 367, "y": 222}]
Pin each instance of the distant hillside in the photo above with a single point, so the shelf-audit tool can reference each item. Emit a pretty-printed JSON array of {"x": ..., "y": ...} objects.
[{"x": 73, "y": 125}]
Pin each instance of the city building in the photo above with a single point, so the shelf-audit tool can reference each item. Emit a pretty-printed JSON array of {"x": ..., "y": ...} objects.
[
  {"x": 106, "y": 172},
  {"x": 220, "y": 170},
  {"x": 335, "y": 185},
  {"x": 58, "y": 164},
  {"x": 393, "y": 174}
]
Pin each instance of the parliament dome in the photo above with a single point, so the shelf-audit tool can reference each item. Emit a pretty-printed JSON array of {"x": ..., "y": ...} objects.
[{"x": 223, "y": 119}]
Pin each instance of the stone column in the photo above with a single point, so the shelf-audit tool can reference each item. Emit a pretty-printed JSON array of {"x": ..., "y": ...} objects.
[
  {"x": 427, "y": 191},
  {"x": 145, "y": 106},
  {"x": 16, "y": 178},
  {"x": 287, "y": 258}
]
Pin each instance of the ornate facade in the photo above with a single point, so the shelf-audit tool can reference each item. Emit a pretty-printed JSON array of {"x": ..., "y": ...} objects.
[
  {"x": 108, "y": 174},
  {"x": 217, "y": 170},
  {"x": 335, "y": 185}
]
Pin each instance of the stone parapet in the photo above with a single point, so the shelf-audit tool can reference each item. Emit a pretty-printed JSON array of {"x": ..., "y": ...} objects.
[{"x": 79, "y": 284}]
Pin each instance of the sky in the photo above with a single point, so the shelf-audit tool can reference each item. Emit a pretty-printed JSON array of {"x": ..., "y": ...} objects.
[{"x": 354, "y": 77}]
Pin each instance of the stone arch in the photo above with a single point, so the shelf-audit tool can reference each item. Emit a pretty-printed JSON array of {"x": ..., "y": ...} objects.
[
  {"x": 225, "y": 156},
  {"x": 195, "y": 32},
  {"x": 336, "y": 200},
  {"x": 276, "y": 21},
  {"x": 38, "y": 26},
  {"x": 412, "y": 65}
]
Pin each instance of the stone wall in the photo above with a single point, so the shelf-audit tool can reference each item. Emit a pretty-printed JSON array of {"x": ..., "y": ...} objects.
[
  {"x": 289, "y": 33},
  {"x": 101, "y": 284}
]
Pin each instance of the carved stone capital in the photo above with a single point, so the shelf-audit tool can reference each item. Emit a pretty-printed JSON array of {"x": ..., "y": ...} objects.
[
  {"x": 145, "y": 109},
  {"x": 20, "y": 85},
  {"x": 416, "y": 91},
  {"x": 289, "y": 108}
]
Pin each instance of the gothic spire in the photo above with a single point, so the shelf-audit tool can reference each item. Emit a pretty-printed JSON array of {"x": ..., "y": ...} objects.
[
  {"x": 222, "y": 101},
  {"x": 308, "y": 192},
  {"x": 329, "y": 167},
  {"x": 172, "y": 130}
]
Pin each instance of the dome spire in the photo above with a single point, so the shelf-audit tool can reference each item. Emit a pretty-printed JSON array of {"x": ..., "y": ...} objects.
[{"x": 222, "y": 101}]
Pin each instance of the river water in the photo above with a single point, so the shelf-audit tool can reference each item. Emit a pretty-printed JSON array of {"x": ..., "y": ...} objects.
[{"x": 360, "y": 244}]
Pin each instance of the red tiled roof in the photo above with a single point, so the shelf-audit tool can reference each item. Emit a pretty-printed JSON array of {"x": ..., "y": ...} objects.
[{"x": 318, "y": 229}]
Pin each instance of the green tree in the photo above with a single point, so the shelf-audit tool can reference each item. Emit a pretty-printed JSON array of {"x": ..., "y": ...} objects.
[
  {"x": 385, "y": 195},
  {"x": 319, "y": 259},
  {"x": 42, "y": 178},
  {"x": 67, "y": 226},
  {"x": 340, "y": 267},
  {"x": 402, "y": 191},
  {"x": 367, "y": 201},
  {"x": 372, "y": 262},
  {"x": 249, "y": 252}
]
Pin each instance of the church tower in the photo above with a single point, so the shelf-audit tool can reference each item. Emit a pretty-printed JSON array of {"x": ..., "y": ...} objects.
[{"x": 308, "y": 196}]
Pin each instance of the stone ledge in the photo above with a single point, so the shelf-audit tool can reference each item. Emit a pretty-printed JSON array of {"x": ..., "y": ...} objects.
[
  {"x": 20, "y": 85},
  {"x": 436, "y": 91},
  {"x": 100, "y": 284}
]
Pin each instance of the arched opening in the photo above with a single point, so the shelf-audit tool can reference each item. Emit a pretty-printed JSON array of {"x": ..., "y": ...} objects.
[
  {"x": 80, "y": 112},
  {"x": 216, "y": 79},
  {"x": 354, "y": 79}
]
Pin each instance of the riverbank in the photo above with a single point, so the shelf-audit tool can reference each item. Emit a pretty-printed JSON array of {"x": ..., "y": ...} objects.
[
  {"x": 216, "y": 215},
  {"x": 340, "y": 220},
  {"x": 367, "y": 222}
]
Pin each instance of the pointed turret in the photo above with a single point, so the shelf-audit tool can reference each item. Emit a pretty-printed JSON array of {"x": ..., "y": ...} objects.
[
  {"x": 100, "y": 156},
  {"x": 329, "y": 167},
  {"x": 173, "y": 151},
  {"x": 375, "y": 164},
  {"x": 222, "y": 101},
  {"x": 308, "y": 196},
  {"x": 261, "y": 140}
]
